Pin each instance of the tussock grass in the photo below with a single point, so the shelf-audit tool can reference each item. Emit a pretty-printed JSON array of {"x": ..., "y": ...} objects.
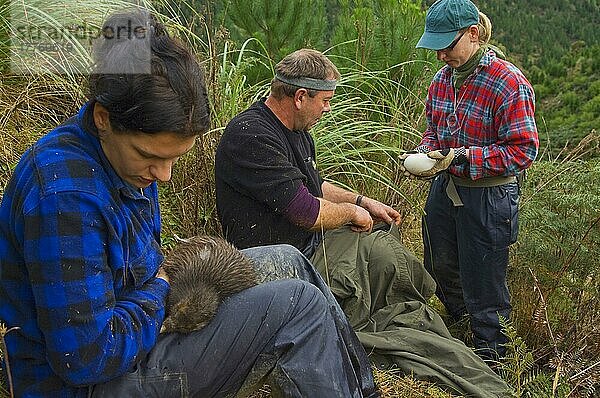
[
  {"x": 395, "y": 385},
  {"x": 30, "y": 107},
  {"x": 391, "y": 384}
]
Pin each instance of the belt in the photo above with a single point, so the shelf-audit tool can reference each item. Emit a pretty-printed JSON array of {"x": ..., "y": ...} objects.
[{"x": 466, "y": 182}]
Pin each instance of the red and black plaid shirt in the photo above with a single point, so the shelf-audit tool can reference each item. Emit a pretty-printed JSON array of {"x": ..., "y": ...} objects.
[{"x": 492, "y": 114}]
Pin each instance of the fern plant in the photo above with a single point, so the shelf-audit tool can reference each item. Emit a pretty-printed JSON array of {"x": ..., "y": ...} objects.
[
  {"x": 518, "y": 368},
  {"x": 560, "y": 240}
]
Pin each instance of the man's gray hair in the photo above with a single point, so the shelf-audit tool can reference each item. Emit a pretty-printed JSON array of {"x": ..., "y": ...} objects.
[{"x": 303, "y": 63}]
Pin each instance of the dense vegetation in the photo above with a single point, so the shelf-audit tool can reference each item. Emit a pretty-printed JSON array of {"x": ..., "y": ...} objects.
[
  {"x": 378, "y": 111},
  {"x": 568, "y": 94},
  {"x": 540, "y": 32}
]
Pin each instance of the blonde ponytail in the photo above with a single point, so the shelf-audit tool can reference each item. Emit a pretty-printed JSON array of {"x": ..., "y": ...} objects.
[{"x": 485, "y": 28}]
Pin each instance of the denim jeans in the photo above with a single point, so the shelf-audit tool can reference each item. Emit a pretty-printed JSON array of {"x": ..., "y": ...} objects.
[
  {"x": 289, "y": 333},
  {"x": 466, "y": 252}
]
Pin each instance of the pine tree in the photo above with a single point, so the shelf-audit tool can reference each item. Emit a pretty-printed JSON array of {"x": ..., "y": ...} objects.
[{"x": 282, "y": 26}]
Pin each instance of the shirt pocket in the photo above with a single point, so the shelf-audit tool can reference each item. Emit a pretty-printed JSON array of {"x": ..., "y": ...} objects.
[
  {"x": 506, "y": 206},
  {"x": 479, "y": 127}
]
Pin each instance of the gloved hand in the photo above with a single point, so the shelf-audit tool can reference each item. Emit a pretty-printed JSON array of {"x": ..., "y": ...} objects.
[{"x": 444, "y": 158}]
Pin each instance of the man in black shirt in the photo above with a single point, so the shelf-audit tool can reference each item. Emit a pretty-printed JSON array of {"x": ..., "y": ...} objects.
[{"x": 268, "y": 188}]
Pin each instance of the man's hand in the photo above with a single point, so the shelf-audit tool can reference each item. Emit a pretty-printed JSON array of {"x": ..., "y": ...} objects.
[
  {"x": 380, "y": 211},
  {"x": 361, "y": 220}
]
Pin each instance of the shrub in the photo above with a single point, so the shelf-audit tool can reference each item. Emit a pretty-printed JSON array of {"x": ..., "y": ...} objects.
[{"x": 555, "y": 267}]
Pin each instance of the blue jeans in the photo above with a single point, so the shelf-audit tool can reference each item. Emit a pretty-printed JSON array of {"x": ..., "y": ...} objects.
[
  {"x": 289, "y": 333},
  {"x": 466, "y": 252}
]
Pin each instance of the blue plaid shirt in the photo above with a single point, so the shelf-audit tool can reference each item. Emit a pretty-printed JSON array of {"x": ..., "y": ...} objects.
[{"x": 79, "y": 251}]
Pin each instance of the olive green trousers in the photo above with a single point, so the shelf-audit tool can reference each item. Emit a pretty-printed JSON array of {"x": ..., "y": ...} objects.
[{"x": 384, "y": 291}]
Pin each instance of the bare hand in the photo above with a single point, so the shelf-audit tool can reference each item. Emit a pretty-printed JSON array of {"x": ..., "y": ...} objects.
[
  {"x": 381, "y": 211},
  {"x": 361, "y": 221}
]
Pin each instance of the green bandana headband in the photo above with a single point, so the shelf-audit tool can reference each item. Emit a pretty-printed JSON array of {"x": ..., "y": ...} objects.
[{"x": 307, "y": 82}]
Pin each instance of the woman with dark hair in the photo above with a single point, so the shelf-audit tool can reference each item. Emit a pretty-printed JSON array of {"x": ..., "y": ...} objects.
[{"x": 81, "y": 275}]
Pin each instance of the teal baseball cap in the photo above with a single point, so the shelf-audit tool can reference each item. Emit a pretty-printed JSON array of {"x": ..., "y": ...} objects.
[{"x": 444, "y": 19}]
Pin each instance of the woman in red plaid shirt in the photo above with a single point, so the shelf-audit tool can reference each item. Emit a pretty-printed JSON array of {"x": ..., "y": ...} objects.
[{"x": 482, "y": 133}]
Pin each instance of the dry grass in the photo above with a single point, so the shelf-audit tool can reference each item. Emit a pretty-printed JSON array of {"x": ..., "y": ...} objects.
[
  {"x": 29, "y": 109},
  {"x": 392, "y": 385}
]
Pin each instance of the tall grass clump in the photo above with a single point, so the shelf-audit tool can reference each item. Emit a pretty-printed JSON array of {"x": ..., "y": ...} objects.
[
  {"x": 359, "y": 141},
  {"x": 188, "y": 200},
  {"x": 28, "y": 109}
]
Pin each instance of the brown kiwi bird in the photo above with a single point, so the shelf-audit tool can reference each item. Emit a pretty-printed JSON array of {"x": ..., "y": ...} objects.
[{"x": 203, "y": 270}]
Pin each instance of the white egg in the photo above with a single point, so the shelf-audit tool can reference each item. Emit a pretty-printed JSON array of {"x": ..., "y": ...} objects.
[{"x": 418, "y": 163}]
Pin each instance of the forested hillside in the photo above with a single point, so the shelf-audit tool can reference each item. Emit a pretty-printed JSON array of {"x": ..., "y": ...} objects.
[
  {"x": 557, "y": 45},
  {"x": 539, "y": 32}
]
